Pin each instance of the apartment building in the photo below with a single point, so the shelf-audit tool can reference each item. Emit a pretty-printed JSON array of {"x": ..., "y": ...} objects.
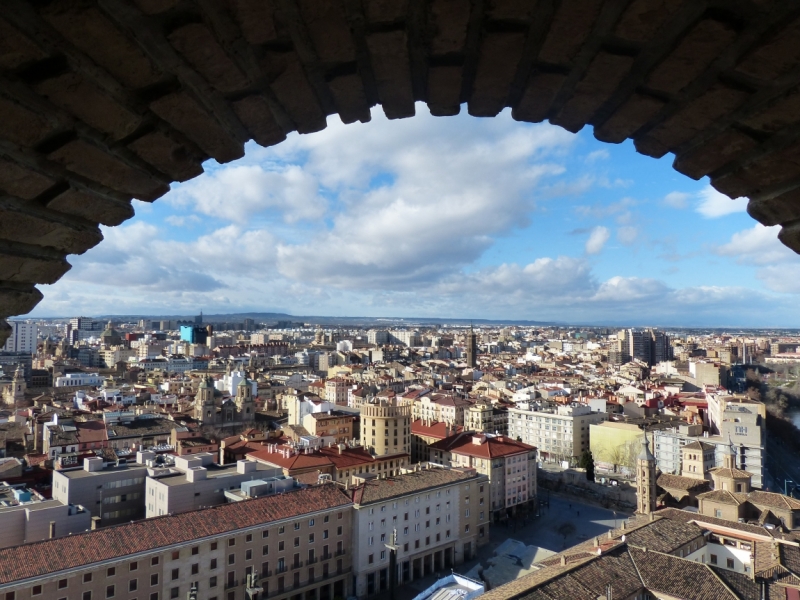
[
  {"x": 386, "y": 426},
  {"x": 483, "y": 416},
  {"x": 445, "y": 408},
  {"x": 509, "y": 465},
  {"x": 113, "y": 492},
  {"x": 335, "y": 425},
  {"x": 560, "y": 433},
  {"x": 336, "y": 390},
  {"x": 195, "y": 482},
  {"x": 434, "y": 517},
  {"x": 23, "y": 338},
  {"x": 424, "y": 433},
  {"x": 287, "y": 546}
]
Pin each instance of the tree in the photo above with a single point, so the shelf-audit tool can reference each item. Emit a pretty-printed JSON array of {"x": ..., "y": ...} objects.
[{"x": 586, "y": 461}]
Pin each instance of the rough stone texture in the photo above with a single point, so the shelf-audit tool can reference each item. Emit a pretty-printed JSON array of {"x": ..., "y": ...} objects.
[{"x": 102, "y": 101}]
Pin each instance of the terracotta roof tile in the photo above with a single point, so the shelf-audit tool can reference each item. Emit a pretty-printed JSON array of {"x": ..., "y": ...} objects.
[{"x": 36, "y": 559}]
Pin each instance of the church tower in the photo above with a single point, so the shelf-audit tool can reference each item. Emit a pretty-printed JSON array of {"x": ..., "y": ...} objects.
[
  {"x": 472, "y": 348},
  {"x": 645, "y": 479},
  {"x": 204, "y": 408},
  {"x": 244, "y": 400},
  {"x": 19, "y": 384}
]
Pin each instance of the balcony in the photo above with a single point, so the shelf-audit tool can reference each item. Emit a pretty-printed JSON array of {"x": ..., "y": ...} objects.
[
  {"x": 305, "y": 585},
  {"x": 312, "y": 561},
  {"x": 229, "y": 585},
  {"x": 340, "y": 552}
]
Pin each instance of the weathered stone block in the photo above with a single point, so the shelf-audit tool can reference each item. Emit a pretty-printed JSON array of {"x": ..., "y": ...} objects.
[
  {"x": 20, "y": 181},
  {"x": 771, "y": 169},
  {"x": 256, "y": 115},
  {"x": 19, "y": 299},
  {"x": 181, "y": 111},
  {"x": 694, "y": 117},
  {"x": 789, "y": 235},
  {"x": 167, "y": 155},
  {"x": 693, "y": 54},
  {"x": 26, "y": 268},
  {"x": 781, "y": 112},
  {"x": 539, "y": 94},
  {"x": 570, "y": 28},
  {"x": 85, "y": 26},
  {"x": 351, "y": 101},
  {"x": 643, "y": 18},
  {"x": 448, "y": 21},
  {"x": 256, "y": 19},
  {"x": 91, "y": 206},
  {"x": 720, "y": 150},
  {"x": 40, "y": 228},
  {"x": 17, "y": 49},
  {"x": 774, "y": 211},
  {"x": 296, "y": 95},
  {"x": 386, "y": 11},
  {"x": 389, "y": 56},
  {"x": 774, "y": 57},
  {"x": 326, "y": 23},
  {"x": 444, "y": 90},
  {"x": 199, "y": 47},
  {"x": 498, "y": 58},
  {"x": 599, "y": 82},
  {"x": 93, "y": 106},
  {"x": 21, "y": 125},
  {"x": 91, "y": 162},
  {"x": 634, "y": 113}
]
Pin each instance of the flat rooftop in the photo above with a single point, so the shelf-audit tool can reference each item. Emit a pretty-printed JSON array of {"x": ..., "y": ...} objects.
[{"x": 215, "y": 471}]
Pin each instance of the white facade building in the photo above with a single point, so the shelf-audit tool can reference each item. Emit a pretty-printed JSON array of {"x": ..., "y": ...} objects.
[
  {"x": 22, "y": 338},
  {"x": 79, "y": 379}
]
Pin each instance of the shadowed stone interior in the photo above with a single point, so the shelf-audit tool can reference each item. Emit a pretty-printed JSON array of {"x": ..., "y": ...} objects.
[{"x": 103, "y": 101}]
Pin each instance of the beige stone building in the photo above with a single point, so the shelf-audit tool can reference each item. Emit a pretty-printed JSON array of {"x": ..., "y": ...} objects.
[
  {"x": 334, "y": 424},
  {"x": 386, "y": 427},
  {"x": 436, "y": 517},
  {"x": 297, "y": 544}
]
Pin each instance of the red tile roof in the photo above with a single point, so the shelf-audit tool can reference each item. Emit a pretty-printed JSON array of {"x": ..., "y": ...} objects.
[
  {"x": 489, "y": 446},
  {"x": 50, "y": 556},
  {"x": 436, "y": 429}
]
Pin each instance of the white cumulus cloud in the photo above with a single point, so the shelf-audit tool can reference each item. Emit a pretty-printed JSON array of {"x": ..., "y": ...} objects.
[
  {"x": 597, "y": 239},
  {"x": 713, "y": 204}
]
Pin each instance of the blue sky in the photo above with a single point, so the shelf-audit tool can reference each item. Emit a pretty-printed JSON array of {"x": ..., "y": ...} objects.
[{"x": 447, "y": 217}]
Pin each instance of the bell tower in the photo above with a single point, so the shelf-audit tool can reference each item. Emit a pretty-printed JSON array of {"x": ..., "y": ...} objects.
[
  {"x": 244, "y": 399},
  {"x": 645, "y": 479},
  {"x": 204, "y": 408}
]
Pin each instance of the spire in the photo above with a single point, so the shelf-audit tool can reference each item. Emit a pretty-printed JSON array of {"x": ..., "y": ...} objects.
[{"x": 645, "y": 454}]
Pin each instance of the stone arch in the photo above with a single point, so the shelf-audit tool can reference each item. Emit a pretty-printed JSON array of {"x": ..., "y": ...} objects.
[{"x": 102, "y": 101}]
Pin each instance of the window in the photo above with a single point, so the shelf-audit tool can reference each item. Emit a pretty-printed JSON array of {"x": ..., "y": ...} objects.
[
  {"x": 154, "y": 561},
  {"x": 87, "y": 577},
  {"x": 310, "y": 538},
  {"x": 713, "y": 559},
  {"x": 731, "y": 564},
  {"x": 311, "y": 522},
  {"x": 371, "y": 559},
  {"x": 62, "y": 583},
  {"x": 325, "y": 520},
  {"x": 296, "y": 542},
  {"x": 231, "y": 559},
  {"x": 231, "y": 542},
  {"x": 37, "y": 590},
  {"x": 133, "y": 585},
  {"x": 154, "y": 579},
  {"x": 213, "y": 545},
  {"x": 296, "y": 526},
  {"x": 175, "y": 574},
  {"x": 265, "y": 550},
  {"x": 281, "y": 529},
  {"x": 111, "y": 571},
  {"x": 339, "y": 530},
  {"x": 195, "y": 568},
  {"x": 154, "y": 596},
  {"x": 213, "y": 563},
  {"x": 134, "y": 566},
  {"x": 109, "y": 591},
  {"x": 195, "y": 550},
  {"x": 265, "y": 534},
  {"x": 718, "y": 513},
  {"x": 325, "y": 535},
  {"x": 280, "y": 546},
  {"x": 212, "y": 582},
  {"x": 174, "y": 592},
  {"x": 87, "y": 596},
  {"x": 248, "y": 537}
]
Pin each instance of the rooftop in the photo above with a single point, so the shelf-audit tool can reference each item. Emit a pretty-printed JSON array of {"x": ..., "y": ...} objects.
[
  {"x": 36, "y": 559},
  {"x": 379, "y": 490}
]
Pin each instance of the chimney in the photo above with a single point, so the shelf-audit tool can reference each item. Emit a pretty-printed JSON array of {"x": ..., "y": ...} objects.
[
  {"x": 596, "y": 541},
  {"x": 95, "y": 523},
  {"x": 563, "y": 560},
  {"x": 622, "y": 526},
  {"x": 652, "y": 516},
  {"x": 52, "y": 529}
]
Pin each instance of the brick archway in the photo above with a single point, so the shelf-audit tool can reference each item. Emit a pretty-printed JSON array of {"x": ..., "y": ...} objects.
[{"x": 102, "y": 101}]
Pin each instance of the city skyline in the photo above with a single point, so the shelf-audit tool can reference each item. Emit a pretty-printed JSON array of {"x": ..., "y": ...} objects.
[{"x": 424, "y": 216}]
